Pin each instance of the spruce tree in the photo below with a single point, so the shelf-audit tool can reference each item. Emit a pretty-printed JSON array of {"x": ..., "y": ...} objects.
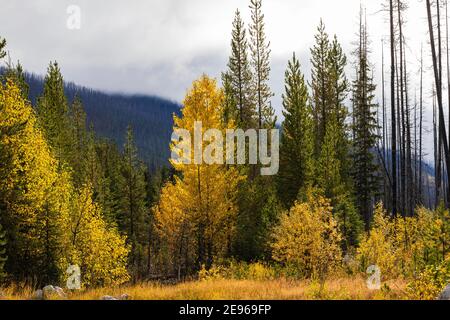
[
  {"x": 53, "y": 114},
  {"x": 334, "y": 187},
  {"x": 320, "y": 85},
  {"x": 296, "y": 153},
  {"x": 365, "y": 168},
  {"x": 16, "y": 74},
  {"x": 240, "y": 76},
  {"x": 133, "y": 219},
  {"x": 230, "y": 111},
  {"x": 2, "y": 48},
  {"x": 260, "y": 61},
  {"x": 339, "y": 88},
  {"x": 329, "y": 90},
  {"x": 78, "y": 160}
]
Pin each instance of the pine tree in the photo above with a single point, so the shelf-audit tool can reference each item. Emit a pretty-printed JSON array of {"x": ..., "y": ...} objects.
[
  {"x": 53, "y": 113},
  {"x": 296, "y": 153},
  {"x": 240, "y": 76},
  {"x": 2, "y": 48},
  {"x": 133, "y": 219},
  {"x": 260, "y": 54},
  {"x": 365, "y": 168},
  {"x": 109, "y": 194},
  {"x": 230, "y": 111},
  {"x": 196, "y": 215},
  {"x": 339, "y": 87},
  {"x": 334, "y": 187},
  {"x": 331, "y": 149},
  {"x": 15, "y": 73},
  {"x": 78, "y": 160},
  {"x": 320, "y": 85}
]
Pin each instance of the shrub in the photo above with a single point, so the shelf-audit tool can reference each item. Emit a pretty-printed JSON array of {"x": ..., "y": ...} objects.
[
  {"x": 308, "y": 238},
  {"x": 404, "y": 246},
  {"x": 238, "y": 271},
  {"x": 430, "y": 282}
]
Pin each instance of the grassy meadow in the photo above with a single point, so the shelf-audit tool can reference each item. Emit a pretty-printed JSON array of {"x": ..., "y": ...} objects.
[{"x": 222, "y": 289}]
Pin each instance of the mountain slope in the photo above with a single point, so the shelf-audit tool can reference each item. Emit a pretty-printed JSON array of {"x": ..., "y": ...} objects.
[{"x": 151, "y": 117}]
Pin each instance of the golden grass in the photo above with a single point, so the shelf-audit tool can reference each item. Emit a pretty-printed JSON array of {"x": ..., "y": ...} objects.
[{"x": 339, "y": 289}]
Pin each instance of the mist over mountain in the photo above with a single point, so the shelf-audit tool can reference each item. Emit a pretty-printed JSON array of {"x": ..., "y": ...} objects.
[{"x": 151, "y": 117}]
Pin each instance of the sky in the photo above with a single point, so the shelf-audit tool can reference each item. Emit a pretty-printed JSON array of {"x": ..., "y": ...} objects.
[{"x": 159, "y": 47}]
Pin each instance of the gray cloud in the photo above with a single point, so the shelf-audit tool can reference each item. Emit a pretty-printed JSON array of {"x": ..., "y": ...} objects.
[{"x": 160, "y": 46}]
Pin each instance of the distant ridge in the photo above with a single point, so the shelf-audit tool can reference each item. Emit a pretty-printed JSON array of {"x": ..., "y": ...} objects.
[{"x": 150, "y": 116}]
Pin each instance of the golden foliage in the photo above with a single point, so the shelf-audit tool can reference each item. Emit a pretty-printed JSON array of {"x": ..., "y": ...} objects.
[
  {"x": 308, "y": 238},
  {"x": 197, "y": 213},
  {"x": 52, "y": 224},
  {"x": 404, "y": 246},
  {"x": 99, "y": 251}
]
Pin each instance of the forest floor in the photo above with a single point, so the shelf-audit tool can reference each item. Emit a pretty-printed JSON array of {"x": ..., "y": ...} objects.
[{"x": 339, "y": 289}]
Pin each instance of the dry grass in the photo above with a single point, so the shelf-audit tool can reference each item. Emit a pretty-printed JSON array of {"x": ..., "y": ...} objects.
[{"x": 339, "y": 289}]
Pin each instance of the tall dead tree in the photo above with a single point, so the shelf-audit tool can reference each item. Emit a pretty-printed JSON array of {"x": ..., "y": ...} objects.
[
  {"x": 421, "y": 129},
  {"x": 393, "y": 115},
  {"x": 437, "y": 79}
]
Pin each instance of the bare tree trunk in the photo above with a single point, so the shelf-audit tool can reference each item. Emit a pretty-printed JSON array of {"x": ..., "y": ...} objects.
[
  {"x": 438, "y": 89},
  {"x": 408, "y": 169},
  {"x": 393, "y": 117},
  {"x": 421, "y": 127}
]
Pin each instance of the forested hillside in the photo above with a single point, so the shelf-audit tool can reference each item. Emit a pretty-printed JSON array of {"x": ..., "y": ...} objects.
[
  {"x": 151, "y": 117},
  {"x": 349, "y": 196}
]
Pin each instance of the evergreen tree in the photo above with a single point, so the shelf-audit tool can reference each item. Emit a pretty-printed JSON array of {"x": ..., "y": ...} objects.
[
  {"x": 334, "y": 187},
  {"x": 339, "y": 86},
  {"x": 92, "y": 166},
  {"x": 240, "y": 76},
  {"x": 78, "y": 161},
  {"x": 259, "y": 210},
  {"x": 133, "y": 216},
  {"x": 320, "y": 85},
  {"x": 337, "y": 61},
  {"x": 365, "y": 168},
  {"x": 109, "y": 194},
  {"x": 230, "y": 111},
  {"x": 2, "y": 48},
  {"x": 296, "y": 153},
  {"x": 16, "y": 73},
  {"x": 53, "y": 113},
  {"x": 260, "y": 54}
]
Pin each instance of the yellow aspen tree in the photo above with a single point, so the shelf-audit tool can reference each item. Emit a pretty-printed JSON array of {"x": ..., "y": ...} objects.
[
  {"x": 49, "y": 224},
  {"x": 99, "y": 250},
  {"x": 196, "y": 216},
  {"x": 34, "y": 195}
]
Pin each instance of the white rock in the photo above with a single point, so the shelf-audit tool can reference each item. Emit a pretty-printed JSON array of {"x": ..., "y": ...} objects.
[
  {"x": 38, "y": 295},
  {"x": 60, "y": 292},
  {"x": 107, "y": 298},
  {"x": 124, "y": 297},
  {"x": 445, "y": 295}
]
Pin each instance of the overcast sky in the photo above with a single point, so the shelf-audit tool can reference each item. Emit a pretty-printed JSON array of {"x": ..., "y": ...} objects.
[{"x": 160, "y": 46}]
